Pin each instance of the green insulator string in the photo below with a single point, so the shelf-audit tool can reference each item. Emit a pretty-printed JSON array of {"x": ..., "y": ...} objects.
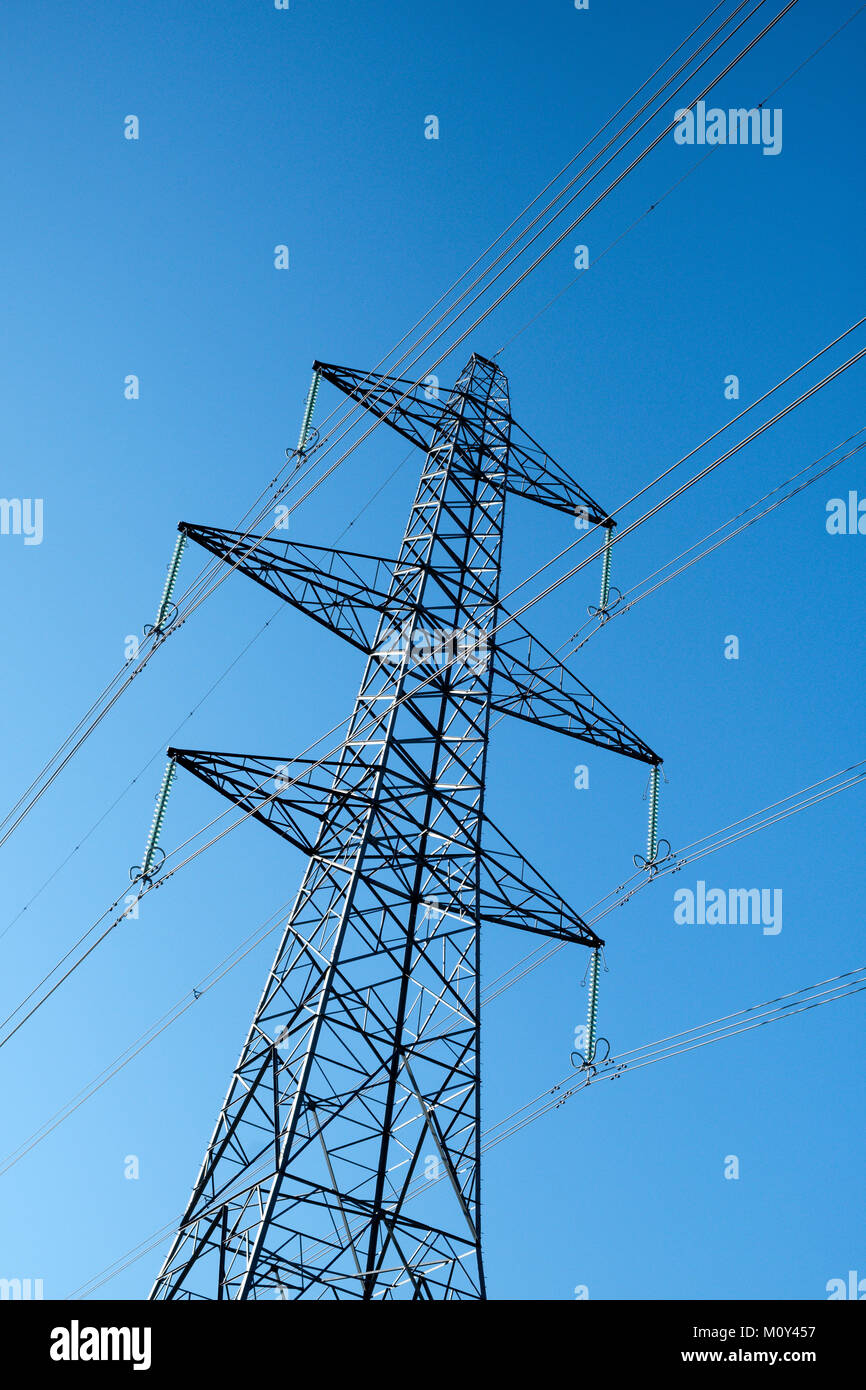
[
  {"x": 158, "y": 817},
  {"x": 592, "y": 1009},
  {"x": 171, "y": 580},
  {"x": 652, "y": 842},
  {"x": 308, "y": 412},
  {"x": 605, "y": 572}
]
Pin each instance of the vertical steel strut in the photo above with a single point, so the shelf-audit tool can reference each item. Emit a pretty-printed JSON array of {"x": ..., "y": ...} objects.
[{"x": 345, "y": 1162}]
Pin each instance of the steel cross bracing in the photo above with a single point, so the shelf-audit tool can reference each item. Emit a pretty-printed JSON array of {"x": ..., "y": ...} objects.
[{"x": 361, "y": 1067}]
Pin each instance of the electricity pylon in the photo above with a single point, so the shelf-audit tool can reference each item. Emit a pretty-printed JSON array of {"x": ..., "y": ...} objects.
[{"x": 345, "y": 1160}]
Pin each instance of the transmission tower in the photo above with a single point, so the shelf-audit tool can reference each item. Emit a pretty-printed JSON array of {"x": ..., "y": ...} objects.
[{"x": 345, "y": 1162}]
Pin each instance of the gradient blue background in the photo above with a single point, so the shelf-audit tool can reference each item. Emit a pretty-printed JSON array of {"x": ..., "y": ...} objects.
[{"x": 155, "y": 257}]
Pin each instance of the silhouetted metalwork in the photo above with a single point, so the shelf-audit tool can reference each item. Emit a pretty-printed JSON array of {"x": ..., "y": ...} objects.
[{"x": 345, "y": 1160}]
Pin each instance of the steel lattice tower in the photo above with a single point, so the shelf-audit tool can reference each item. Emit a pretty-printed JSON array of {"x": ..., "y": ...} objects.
[{"x": 362, "y": 1060}]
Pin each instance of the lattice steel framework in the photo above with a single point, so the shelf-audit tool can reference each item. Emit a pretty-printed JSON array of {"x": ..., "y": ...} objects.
[{"x": 345, "y": 1160}]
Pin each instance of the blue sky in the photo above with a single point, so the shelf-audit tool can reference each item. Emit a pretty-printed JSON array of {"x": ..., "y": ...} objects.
[{"x": 155, "y": 258}]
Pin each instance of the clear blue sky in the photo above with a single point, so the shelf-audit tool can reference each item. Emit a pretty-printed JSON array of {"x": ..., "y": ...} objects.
[{"x": 155, "y": 257}]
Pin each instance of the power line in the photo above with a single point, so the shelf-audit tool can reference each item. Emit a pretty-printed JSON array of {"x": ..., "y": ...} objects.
[
  {"x": 596, "y": 624},
  {"x": 566, "y": 1092},
  {"x": 191, "y": 997},
  {"x": 700, "y": 848},
  {"x": 621, "y": 607},
  {"x": 709, "y": 468},
  {"x": 559, "y": 1095},
  {"x": 678, "y": 493},
  {"x": 218, "y": 972},
  {"x": 512, "y": 617},
  {"x": 178, "y": 621},
  {"x": 652, "y": 207}
]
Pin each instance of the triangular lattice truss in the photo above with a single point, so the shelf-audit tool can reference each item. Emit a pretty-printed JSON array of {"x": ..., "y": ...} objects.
[{"x": 345, "y": 1160}]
